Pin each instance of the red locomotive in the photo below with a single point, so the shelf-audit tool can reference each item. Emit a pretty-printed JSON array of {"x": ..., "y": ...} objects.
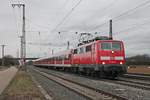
[{"x": 100, "y": 56}]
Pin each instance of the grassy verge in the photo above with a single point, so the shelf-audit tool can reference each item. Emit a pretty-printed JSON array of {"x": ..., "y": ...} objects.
[{"x": 22, "y": 88}]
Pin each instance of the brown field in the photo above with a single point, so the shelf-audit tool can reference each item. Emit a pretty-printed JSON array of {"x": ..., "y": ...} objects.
[{"x": 139, "y": 69}]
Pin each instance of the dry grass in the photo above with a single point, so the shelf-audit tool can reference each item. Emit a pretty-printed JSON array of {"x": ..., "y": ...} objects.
[
  {"x": 22, "y": 88},
  {"x": 139, "y": 69}
]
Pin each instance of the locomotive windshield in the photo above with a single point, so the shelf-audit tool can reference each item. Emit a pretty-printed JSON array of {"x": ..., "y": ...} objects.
[
  {"x": 111, "y": 46},
  {"x": 116, "y": 46}
]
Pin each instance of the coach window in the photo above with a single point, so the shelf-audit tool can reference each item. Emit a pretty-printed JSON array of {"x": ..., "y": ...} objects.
[
  {"x": 59, "y": 58},
  {"x": 56, "y": 58},
  {"x": 88, "y": 48},
  {"x": 62, "y": 57}
]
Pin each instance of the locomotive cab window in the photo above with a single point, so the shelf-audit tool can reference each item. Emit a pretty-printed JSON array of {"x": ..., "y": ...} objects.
[
  {"x": 111, "y": 46},
  {"x": 106, "y": 46},
  {"x": 116, "y": 46}
]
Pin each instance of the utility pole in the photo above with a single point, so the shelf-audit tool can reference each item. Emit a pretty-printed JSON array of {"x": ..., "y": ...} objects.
[
  {"x": 110, "y": 30},
  {"x": 3, "y": 51},
  {"x": 21, "y": 49},
  {"x": 52, "y": 51},
  {"x": 23, "y": 37},
  {"x": 68, "y": 45}
]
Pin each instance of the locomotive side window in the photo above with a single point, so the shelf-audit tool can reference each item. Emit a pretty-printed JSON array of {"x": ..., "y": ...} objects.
[
  {"x": 78, "y": 51},
  {"x": 88, "y": 48},
  {"x": 75, "y": 51},
  {"x": 106, "y": 46},
  {"x": 116, "y": 46},
  {"x": 66, "y": 57},
  {"x": 82, "y": 50}
]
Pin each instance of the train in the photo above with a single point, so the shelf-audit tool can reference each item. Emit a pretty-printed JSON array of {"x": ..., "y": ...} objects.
[{"x": 100, "y": 56}]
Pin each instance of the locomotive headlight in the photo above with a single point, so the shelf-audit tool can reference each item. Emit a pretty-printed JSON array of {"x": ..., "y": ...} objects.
[
  {"x": 103, "y": 63},
  {"x": 121, "y": 63},
  {"x": 112, "y": 51}
]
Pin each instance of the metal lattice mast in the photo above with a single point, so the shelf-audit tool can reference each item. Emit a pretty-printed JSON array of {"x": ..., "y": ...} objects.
[{"x": 23, "y": 37}]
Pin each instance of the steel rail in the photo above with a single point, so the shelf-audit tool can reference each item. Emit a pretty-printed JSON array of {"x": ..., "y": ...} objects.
[
  {"x": 137, "y": 76},
  {"x": 134, "y": 84}
]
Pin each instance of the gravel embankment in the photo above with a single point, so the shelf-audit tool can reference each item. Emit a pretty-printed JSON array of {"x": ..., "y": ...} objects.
[
  {"x": 57, "y": 91},
  {"x": 124, "y": 91}
]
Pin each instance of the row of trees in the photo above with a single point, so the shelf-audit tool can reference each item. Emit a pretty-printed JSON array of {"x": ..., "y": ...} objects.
[
  {"x": 9, "y": 61},
  {"x": 138, "y": 60}
]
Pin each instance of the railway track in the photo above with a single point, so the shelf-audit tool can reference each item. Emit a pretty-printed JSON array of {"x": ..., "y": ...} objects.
[
  {"x": 132, "y": 83},
  {"x": 137, "y": 76},
  {"x": 84, "y": 90},
  {"x": 122, "y": 90}
]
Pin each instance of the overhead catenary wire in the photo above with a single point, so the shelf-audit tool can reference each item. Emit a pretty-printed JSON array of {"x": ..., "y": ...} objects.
[
  {"x": 66, "y": 16},
  {"x": 15, "y": 21},
  {"x": 116, "y": 18},
  {"x": 106, "y": 7},
  {"x": 40, "y": 26},
  {"x": 133, "y": 27},
  {"x": 48, "y": 44},
  {"x": 130, "y": 10}
]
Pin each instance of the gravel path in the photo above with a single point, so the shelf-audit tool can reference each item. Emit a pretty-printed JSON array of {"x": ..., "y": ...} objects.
[
  {"x": 57, "y": 91},
  {"x": 6, "y": 76},
  {"x": 124, "y": 91}
]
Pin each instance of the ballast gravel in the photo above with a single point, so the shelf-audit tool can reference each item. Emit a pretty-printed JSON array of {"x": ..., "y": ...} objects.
[
  {"x": 130, "y": 93},
  {"x": 57, "y": 91}
]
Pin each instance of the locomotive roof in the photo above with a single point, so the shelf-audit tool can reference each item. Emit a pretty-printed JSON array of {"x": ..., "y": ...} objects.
[{"x": 97, "y": 42}]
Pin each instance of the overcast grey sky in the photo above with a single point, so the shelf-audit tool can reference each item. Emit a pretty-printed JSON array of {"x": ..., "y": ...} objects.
[{"x": 44, "y": 15}]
